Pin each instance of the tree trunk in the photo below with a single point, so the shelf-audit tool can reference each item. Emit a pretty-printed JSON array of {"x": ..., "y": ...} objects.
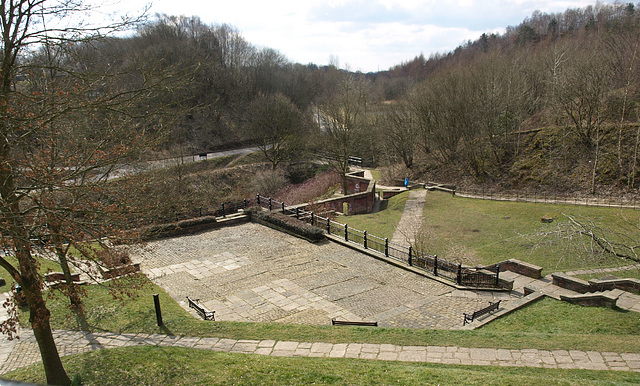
[
  {"x": 39, "y": 317},
  {"x": 61, "y": 251},
  {"x": 595, "y": 163},
  {"x": 28, "y": 277}
]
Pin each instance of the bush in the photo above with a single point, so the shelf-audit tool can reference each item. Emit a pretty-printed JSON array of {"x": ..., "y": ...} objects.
[
  {"x": 287, "y": 223},
  {"x": 157, "y": 230},
  {"x": 310, "y": 190},
  {"x": 113, "y": 258},
  {"x": 267, "y": 182}
]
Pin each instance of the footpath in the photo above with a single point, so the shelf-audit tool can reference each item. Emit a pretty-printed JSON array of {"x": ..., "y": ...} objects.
[{"x": 72, "y": 342}]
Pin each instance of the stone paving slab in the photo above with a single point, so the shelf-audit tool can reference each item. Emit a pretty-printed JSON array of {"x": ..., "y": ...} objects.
[
  {"x": 25, "y": 351},
  {"x": 256, "y": 274}
]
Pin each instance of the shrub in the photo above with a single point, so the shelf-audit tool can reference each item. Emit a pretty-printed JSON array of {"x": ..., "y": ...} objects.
[
  {"x": 174, "y": 228},
  {"x": 113, "y": 258},
  {"x": 157, "y": 230},
  {"x": 267, "y": 182},
  {"x": 288, "y": 224},
  {"x": 309, "y": 190}
]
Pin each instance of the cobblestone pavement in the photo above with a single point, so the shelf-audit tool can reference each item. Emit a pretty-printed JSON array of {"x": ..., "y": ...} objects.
[
  {"x": 253, "y": 273},
  {"x": 71, "y": 342}
]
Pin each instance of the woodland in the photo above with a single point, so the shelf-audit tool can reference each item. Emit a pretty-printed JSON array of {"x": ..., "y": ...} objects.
[{"x": 550, "y": 104}]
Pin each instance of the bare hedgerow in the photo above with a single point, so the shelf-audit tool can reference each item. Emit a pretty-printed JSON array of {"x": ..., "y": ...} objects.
[
  {"x": 312, "y": 189},
  {"x": 267, "y": 182}
]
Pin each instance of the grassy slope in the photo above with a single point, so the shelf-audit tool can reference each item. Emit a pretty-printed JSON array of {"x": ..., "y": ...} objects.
[
  {"x": 494, "y": 231},
  {"x": 544, "y": 325},
  {"x": 547, "y": 325},
  {"x": 171, "y": 365},
  {"x": 382, "y": 223}
]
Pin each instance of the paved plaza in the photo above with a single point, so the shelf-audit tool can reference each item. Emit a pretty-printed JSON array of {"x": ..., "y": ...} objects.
[{"x": 253, "y": 273}]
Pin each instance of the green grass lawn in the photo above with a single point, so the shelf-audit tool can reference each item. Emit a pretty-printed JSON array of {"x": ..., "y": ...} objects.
[
  {"x": 382, "y": 223},
  {"x": 44, "y": 267},
  {"x": 493, "y": 231},
  {"x": 547, "y": 324},
  {"x": 627, "y": 273},
  {"x": 151, "y": 365},
  {"x": 557, "y": 325}
]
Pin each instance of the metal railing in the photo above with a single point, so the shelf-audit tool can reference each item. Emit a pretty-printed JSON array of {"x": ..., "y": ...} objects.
[{"x": 467, "y": 276}]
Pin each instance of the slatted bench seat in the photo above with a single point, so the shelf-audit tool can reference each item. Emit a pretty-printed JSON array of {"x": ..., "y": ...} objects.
[
  {"x": 493, "y": 306},
  {"x": 200, "y": 309},
  {"x": 347, "y": 323}
]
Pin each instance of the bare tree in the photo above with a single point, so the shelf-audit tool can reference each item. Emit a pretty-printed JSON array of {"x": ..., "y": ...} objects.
[
  {"x": 588, "y": 241},
  {"x": 59, "y": 129},
  {"x": 581, "y": 76},
  {"x": 400, "y": 128},
  {"x": 343, "y": 119},
  {"x": 277, "y": 125}
]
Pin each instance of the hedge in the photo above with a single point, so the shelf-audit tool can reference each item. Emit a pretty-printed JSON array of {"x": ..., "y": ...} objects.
[{"x": 287, "y": 223}]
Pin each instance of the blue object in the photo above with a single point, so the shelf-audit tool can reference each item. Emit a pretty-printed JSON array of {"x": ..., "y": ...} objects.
[{"x": 406, "y": 182}]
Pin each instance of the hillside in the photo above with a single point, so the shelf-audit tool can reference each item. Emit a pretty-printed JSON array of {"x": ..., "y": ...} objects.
[{"x": 550, "y": 104}]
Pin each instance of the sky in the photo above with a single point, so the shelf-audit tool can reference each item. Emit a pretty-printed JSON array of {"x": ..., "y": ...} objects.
[{"x": 359, "y": 35}]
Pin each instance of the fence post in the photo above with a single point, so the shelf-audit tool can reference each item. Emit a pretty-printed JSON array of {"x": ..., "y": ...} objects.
[
  {"x": 459, "y": 278},
  {"x": 258, "y": 199},
  {"x": 312, "y": 218},
  {"x": 497, "y": 276},
  {"x": 328, "y": 225},
  {"x": 386, "y": 247},
  {"x": 282, "y": 207},
  {"x": 297, "y": 213},
  {"x": 435, "y": 265},
  {"x": 223, "y": 213},
  {"x": 270, "y": 207},
  {"x": 245, "y": 203},
  {"x": 410, "y": 250},
  {"x": 365, "y": 240},
  {"x": 346, "y": 232}
]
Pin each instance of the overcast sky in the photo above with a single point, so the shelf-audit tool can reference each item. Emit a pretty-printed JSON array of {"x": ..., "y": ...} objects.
[{"x": 365, "y": 35}]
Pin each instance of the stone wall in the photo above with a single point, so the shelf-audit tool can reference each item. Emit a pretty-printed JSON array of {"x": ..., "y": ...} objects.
[
  {"x": 521, "y": 267},
  {"x": 361, "y": 197}
]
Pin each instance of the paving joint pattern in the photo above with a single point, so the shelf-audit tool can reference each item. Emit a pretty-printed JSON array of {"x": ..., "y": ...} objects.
[
  {"x": 253, "y": 273},
  {"x": 26, "y": 351}
]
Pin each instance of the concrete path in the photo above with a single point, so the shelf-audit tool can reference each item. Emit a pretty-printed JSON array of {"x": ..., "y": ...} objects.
[
  {"x": 72, "y": 342},
  {"x": 411, "y": 219}
]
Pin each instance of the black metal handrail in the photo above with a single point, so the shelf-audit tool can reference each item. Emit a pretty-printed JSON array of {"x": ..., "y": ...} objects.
[{"x": 474, "y": 277}]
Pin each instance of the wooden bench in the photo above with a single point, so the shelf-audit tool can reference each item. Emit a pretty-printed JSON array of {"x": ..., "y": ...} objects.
[
  {"x": 346, "y": 323},
  {"x": 200, "y": 309},
  {"x": 476, "y": 314}
]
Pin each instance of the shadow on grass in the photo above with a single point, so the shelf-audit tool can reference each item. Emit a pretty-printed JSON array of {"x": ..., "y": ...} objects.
[{"x": 166, "y": 330}]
